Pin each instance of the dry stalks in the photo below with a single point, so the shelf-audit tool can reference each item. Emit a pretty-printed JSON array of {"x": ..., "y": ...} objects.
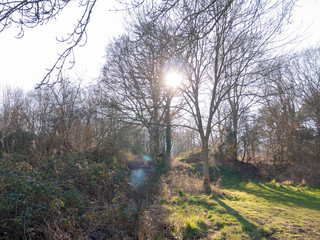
[
  {"x": 154, "y": 221},
  {"x": 182, "y": 178}
]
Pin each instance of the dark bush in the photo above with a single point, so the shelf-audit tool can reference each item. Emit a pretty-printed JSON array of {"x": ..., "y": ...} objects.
[{"x": 59, "y": 192}]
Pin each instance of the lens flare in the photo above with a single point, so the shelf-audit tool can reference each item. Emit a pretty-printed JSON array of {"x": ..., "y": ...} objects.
[
  {"x": 147, "y": 158},
  {"x": 137, "y": 178}
]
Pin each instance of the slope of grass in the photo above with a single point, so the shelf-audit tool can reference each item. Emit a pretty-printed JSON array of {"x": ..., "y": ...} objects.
[{"x": 238, "y": 209}]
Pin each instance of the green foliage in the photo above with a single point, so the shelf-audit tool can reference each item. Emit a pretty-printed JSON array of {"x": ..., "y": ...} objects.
[
  {"x": 195, "y": 230},
  {"x": 56, "y": 205},
  {"x": 58, "y": 188},
  {"x": 19, "y": 141}
]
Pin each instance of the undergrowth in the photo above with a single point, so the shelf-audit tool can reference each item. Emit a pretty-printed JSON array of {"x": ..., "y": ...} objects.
[
  {"x": 239, "y": 208},
  {"x": 78, "y": 197},
  {"x": 66, "y": 197}
]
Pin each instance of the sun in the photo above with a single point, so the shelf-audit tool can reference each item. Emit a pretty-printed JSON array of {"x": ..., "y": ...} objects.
[{"x": 173, "y": 79}]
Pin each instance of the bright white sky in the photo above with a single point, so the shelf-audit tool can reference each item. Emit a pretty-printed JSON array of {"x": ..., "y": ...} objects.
[{"x": 23, "y": 62}]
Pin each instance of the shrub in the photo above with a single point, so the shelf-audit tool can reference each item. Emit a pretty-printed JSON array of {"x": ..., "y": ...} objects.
[{"x": 56, "y": 194}]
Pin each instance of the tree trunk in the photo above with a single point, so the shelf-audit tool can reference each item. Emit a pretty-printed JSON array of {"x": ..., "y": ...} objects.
[
  {"x": 155, "y": 144},
  {"x": 168, "y": 135},
  {"x": 235, "y": 135},
  {"x": 206, "y": 174},
  {"x": 168, "y": 144}
]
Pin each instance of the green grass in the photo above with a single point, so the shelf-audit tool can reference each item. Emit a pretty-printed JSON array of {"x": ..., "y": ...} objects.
[{"x": 243, "y": 209}]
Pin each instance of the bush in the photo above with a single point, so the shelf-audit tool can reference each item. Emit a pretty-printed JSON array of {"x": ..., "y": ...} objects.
[
  {"x": 56, "y": 193},
  {"x": 19, "y": 141}
]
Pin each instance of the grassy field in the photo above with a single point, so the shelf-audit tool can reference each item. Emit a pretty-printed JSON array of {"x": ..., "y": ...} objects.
[{"x": 237, "y": 209}]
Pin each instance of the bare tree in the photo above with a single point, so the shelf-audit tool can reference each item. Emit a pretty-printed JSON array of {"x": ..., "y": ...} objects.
[
  {"x": 133, "y": 77},
  {"x": 30, "y": 14},
  {"x": 279, "y": 115},
  {"x": 13, "y": 114},
  {"x": 64, "y": 110},
  {"x": 219, "y": 57},
  {"x": 305, "y": 69}
]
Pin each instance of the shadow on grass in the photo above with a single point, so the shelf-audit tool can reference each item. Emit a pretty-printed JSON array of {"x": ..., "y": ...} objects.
[
  {"x": 203, "y": 203},
  {"x": 284, "y": 195},
  {"x": 274, "y": 193},
  {"x": 195, "y": 232},
  {"x": 253, "y": 230}
]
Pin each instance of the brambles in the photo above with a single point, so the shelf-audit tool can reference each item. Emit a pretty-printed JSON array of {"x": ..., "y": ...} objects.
[{"x": 61, "y": 190}]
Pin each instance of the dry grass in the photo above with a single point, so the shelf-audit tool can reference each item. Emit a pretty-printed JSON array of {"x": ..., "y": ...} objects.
[
  {"x": 182, "y": 178},
  {"x": 153, "y": 223},
  {"x": 306, "y": 173},
  {"x": 157, "y": 221}
]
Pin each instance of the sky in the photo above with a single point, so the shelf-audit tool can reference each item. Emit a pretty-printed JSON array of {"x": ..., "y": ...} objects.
[{"x": 23, "y": 62}]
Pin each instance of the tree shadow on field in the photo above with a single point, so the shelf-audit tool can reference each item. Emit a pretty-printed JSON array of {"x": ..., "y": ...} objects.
[
  {"x": 284, "y": 195},
  {"x": 273, "y": 192},
  {"x": 253, "y": 230}
]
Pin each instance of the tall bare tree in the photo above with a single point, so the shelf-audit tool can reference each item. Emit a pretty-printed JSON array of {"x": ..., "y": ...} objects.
[
  {"x": 134, "y": 79},
  {"x": 305, "y": 69},
  {"x": 222, "y": 51}
]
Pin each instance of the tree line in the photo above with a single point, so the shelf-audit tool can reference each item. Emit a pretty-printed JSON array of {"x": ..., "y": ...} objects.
[
  {"x": 66, "y": 149},
  {"x": 244, "y": 101}
]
